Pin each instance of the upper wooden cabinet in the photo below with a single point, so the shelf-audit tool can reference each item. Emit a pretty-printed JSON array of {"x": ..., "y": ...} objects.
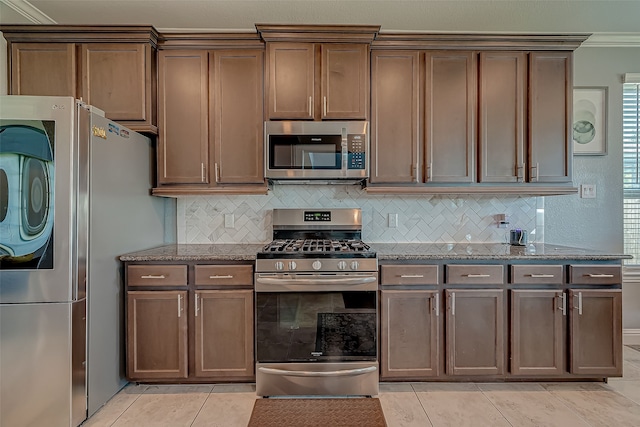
[
  {"x": 112, "y": 68},
  {"x": 494, "y": 114},
  {"x": 317, "y": 72},
  {"x": 211, "y": 119}
]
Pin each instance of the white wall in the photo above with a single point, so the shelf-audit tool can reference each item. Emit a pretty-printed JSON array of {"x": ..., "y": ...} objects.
[{"x": 597, "y": 223}]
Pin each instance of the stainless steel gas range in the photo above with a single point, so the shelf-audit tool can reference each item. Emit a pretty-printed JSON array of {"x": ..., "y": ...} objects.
[{"x": 316, "y": 306}]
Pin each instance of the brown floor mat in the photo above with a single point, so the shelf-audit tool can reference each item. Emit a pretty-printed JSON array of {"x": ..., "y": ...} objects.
[{"x": 321, "y": 412}]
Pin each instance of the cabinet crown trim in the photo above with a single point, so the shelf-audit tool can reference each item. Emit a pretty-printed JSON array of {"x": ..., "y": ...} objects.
[
  {"x": 318, "y": 33},
  {"x": 479, "y": 41},
  {"x": 80, "y": 33}
]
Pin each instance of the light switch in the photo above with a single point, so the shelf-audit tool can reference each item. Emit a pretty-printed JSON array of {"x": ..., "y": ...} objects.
[
  {"x": 229, "y": 221},
  {"x": 587, "y": 191},
  {"x": 393, "y": 220}
]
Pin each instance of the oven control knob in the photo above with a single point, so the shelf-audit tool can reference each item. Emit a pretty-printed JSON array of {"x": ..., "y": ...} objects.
[
  {"x": 342, "y": 265},
  {"x": 317, "y": 265},
  {"x": 279, "y": 265},
  {"x": 354, "y": 265},
  {"x": 292, "y": 265}
]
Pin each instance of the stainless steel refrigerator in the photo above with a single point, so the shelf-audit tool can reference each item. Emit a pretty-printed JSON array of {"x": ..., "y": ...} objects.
[{"x": 74, "y": 194}]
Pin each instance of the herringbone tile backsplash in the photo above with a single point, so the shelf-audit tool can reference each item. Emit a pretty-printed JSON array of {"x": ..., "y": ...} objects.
[{"x": 200, "y": 219}]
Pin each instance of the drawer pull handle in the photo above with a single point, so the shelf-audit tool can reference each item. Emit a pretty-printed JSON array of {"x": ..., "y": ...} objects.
[
  {"x": 412, "y": 276},
  {"x": 600, "y": 276},
  {"x": 477, "y": 275},
  {"x": 437, "y": 304},
  {"x": 541, "y": 276},
  {"x": 563, "y": 304},
  {"x": 153, "y": 276},
  {"x": 225, "y": 276},
  {"x": 179, "y": 305},
  {"x": 453, "y": 303}
]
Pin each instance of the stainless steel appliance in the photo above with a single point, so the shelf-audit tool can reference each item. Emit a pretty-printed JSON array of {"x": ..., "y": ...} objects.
[
  {"x": 316, "y": 306},
  {"x": 74, "y": 194},
  {"x": 304, "y": 151}
]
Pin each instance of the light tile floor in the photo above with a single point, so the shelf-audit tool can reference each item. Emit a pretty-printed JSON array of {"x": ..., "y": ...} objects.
[{"x": 616, "y": 403}]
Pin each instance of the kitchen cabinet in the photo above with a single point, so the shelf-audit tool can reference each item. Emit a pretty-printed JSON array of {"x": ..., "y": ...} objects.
[
  {"x": 210, "y": 126},
  {"x": 409, "y": 322},
  {"x": 395, "y": 122},
  {"x": 538, "y": 320},
  {"x": 475, "y": 332},
  {"x": 450, "y": 116},
  {"x": 595, "y": 320},
  {"x": 493, "y": 115},
  {"x": 156, "y": 335},
  {"x": 111, "y": 68},
  {"x": 190, "y": 322},
  {"x": 318, "y": 81}
]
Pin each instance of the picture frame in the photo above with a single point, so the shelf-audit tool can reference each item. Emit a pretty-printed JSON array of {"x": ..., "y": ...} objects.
[{"x": 589, "y": 126}]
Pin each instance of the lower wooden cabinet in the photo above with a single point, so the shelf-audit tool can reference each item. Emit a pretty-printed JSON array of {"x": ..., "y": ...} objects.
[
  {"x": 409, "y": 329},
  {"x": 475, "y": 332},
  {"x": 224, "y": 333},
  {"x": 538, "y": 318},
  {"x": 156, "y": 335},
  {"x": 595, "y": 326},
  {"x": 200, "y": 331}
]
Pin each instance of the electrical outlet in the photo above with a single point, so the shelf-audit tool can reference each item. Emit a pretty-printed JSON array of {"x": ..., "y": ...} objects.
[
  {"x": 393, "y": 220},
  {"x": 229, "y": 221},
  {"x": 587, "y": 191}
]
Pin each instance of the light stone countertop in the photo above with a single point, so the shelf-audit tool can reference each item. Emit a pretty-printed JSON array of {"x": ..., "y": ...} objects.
[{"x": 385, "y": 251}]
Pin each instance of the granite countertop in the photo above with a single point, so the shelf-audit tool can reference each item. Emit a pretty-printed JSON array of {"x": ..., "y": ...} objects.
[
  {"x": 385, "y": 251},
  {"x": 495, "y": 251}
]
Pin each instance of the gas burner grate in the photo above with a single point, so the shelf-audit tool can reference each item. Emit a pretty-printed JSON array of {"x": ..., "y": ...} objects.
[{"x": 316, "y": 245}]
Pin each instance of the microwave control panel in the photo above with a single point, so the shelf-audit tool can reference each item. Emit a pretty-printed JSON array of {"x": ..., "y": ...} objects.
[{"x": 356, "y": 146}]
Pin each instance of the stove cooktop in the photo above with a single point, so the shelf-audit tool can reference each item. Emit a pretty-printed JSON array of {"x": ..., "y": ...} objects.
[{"x": 316, "y": 248}]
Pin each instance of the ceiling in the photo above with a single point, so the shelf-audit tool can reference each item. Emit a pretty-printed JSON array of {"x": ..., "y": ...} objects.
[{"x": 585, "y": 16}]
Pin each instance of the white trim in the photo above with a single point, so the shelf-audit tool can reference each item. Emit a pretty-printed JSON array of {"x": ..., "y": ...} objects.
[
  {"x": 29, "y": 11},
  {"x": 631, "y": 78},
  {"x": 631, "y": 336},
  {"x": 612, "y": 40}
]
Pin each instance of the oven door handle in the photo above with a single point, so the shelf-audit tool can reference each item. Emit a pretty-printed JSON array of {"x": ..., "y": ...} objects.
[
  {"x": 344, "y": 373},
  {"x": 317, "y": 281}
]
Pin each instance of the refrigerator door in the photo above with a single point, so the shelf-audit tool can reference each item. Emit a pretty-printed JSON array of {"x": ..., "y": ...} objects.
[
  {"x": 42, "y": 379},
  {"x": 38, "y": 208}
]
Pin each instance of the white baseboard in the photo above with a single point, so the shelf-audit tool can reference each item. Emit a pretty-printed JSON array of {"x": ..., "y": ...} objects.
[{"x": 631, "y": 336}]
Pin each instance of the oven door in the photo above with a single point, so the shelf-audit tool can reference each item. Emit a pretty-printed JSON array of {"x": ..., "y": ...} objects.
[{"x": 316, "y": 334}]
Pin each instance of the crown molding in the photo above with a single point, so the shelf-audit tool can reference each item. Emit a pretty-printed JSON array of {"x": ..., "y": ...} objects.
[
  {"x": 30, "y": 12},
  {"x": 613, "y": 40}
]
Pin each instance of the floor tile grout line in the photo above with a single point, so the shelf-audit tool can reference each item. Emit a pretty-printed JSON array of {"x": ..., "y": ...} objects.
[
  {"x": 493, "y": 404},
  {"x": 203, "y": 403},
  {"x": 566, "y": 405},
  {"x": 146, "y": 387},
  {"x": 422, "y": 405}
]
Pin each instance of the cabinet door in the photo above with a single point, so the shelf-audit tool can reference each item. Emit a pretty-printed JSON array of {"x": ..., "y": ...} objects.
[
  {"x": 502, "y": 128},
  {"x": 409, "y": 334},
  {"x": 537, "y": 332},
  {"x": 345, "y": 81},
  {"x": 596, "y": 332},
  {"x": 550, "y": 95},
  {"x": 291, "y": 80},
  {"x": 237, "y": 116},
  {"x": 183, "y": 92},
  {"x": 47, "y": 69},
  {"x": 116, "y": 79},
  {"x": 395, "y": 108},
  {"x": 156, "y": 334},
  {"x": 475, "y": 332},
  {"x": 450, "y": 116},
  {"x": 224, "y": 333}
]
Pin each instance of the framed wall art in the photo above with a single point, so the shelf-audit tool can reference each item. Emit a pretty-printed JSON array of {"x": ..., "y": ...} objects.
[{"x": 589, "y": 128}]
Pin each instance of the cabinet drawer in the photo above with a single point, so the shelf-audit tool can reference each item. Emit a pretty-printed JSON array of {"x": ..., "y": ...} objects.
[
  {"x": 409, "y": 275},
  {"x": 157, "y": 275},
  {"x": 475, "y": 274},
  {"x": 540, "y": 274},
  {"x": 224, "y": 275},
  {"x": 595, "y": 274}
]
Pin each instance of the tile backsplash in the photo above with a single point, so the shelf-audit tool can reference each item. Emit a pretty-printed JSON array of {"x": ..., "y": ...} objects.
[{"x": 421, "y": 218}]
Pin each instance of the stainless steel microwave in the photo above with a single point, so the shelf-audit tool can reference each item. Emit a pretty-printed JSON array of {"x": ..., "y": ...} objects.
[{"x": 305, "y": 150}]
